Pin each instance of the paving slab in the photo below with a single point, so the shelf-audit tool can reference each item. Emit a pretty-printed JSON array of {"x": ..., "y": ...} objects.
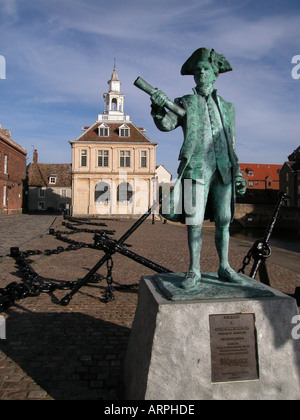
[{"x": 52, "y": 352}]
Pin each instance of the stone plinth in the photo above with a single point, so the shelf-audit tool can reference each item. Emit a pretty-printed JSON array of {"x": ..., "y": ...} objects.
[{"x": 170, "y": 356}]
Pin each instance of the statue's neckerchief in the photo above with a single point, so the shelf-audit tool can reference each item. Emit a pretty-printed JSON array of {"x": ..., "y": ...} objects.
[{"x": 205, "y": 90}]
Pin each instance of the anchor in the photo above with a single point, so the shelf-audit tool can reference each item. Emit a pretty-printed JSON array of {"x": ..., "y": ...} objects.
[
  {"x": 261, "y": 249},
  {"x": 110, "y": 247}
]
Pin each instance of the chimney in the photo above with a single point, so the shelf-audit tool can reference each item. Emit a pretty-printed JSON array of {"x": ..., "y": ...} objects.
[{"x": 35, "y": 156}]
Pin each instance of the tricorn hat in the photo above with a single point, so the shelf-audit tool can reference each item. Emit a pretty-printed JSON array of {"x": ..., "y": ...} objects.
[{"x": 218, "y": 61}]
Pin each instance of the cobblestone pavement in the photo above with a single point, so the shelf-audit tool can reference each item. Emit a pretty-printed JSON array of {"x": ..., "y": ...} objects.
[
  {"x": 54, "y": 352},
  {"x": 20, "y": 228}
]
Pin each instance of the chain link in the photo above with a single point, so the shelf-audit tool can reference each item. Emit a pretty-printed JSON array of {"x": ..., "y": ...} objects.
[
  {"x": 33, "y": 284},
  {"x": 109, "y": 293},
  {"x": 246, "y": 261}
]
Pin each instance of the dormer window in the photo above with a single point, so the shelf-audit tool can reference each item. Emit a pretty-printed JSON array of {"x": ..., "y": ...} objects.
[
  {"x": 52, "y": 179},
  {"x": 103, "y": 130},
  {"x": 124, "y": 131}
]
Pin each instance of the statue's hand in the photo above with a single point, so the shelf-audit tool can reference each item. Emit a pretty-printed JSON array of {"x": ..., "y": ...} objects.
[
  {"x": 159, "y": 99},
  {"x": 240, "y": 186}
]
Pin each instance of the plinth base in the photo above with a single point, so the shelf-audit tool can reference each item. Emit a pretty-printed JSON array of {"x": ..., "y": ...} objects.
[
  {"x": 210, "y": 287},
  {"x": 220, "y": 348}
]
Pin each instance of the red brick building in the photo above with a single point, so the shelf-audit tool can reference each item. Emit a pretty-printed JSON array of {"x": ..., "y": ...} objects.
[
  {"x": 262, "y": 182},
  {"x": 12, "y": 174},
  {"x": 290, "y": 179}
]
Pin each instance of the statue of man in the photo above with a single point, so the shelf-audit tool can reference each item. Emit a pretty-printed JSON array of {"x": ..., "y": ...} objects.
[{"x": 207, "y": 157}]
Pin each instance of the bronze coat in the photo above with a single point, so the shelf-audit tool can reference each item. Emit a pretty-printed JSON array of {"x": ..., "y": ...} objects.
[{"x": 192, "y": 124}]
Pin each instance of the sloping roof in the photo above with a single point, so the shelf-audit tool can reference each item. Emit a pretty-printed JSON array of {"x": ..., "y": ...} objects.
[
  {"x": 39, "y": 174},
  {"x": 295, "y": 155},
  {"x": 114, "y": 76},
  {"x": 163, "y": 166},
  {"x": 294, "y": 166},
  {"x": 91, "y": 133},
  {"x": 5, "y": 136},
  {"x": 261, "y": 170}
]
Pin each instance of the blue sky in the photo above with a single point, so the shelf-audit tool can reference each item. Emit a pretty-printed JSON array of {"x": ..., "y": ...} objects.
[{"x": 60, "y": 53}]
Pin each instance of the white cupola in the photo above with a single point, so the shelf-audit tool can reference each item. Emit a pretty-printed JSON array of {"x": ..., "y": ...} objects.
[{"x": 114, "y": 101}]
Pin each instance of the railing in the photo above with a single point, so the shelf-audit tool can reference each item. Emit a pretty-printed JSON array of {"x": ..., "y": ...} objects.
[{"x": 103, "y": 117}]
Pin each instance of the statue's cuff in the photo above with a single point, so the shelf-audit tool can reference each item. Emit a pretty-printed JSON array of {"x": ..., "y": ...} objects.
[{"x": 157, "y": 116}]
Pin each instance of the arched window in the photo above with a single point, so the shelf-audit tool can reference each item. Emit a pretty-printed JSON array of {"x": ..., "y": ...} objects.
[
  {"x": 102, "y": 192},
  {"x": 114, "y": 104},
  {"x": 124, "y": 193}
]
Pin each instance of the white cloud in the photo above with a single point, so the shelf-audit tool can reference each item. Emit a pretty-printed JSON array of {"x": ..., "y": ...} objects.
[
  {"x": 8, "y": 9},
  {"x": 64, "y": 55},
  {"x": 134, "y": 20},
  {"x": 254, "y": 39}
]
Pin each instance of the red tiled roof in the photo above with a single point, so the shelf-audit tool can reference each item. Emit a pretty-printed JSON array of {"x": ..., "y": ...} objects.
[
  {"x": 261, "y": 170},
  {"x": 39, "y": 174},
  {"x": 136, "y": 136}
]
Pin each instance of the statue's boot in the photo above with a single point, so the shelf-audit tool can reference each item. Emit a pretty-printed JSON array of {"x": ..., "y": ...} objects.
[
  {"x": 193, "y": 276},
  {"x": 225, "y": 272},
  {"x": 228, "y": 274},
  {"x": 191, "y": 280}
]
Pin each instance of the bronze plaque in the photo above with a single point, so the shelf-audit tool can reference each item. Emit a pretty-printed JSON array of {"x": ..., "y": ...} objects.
[{"x": 233, "y": 347}]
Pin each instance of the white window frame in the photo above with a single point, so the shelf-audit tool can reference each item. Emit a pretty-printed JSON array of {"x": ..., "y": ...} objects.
[
  {"x": 83, "y": 154},
  {"x": 5, "y": 164},
  {"x": 52, "y": 180},
  {"x": 144, "y": 158},
  {"x": 125, "y": 159},
  {"x": 103, "y": 158},
  {"x": 124, "y": 131},
  {"x": 63, "y": 192},
  {"x": 103, "y": 130},
  {"x": 4, "y": 196}
]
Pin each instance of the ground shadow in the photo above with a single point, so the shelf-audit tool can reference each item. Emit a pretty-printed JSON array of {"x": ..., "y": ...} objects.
[{"x": 71, "y": 356}]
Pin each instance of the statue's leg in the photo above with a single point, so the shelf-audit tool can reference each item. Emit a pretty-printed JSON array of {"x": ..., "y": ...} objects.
[
  {"x": 221, "y": 203},
  {"x": 195, "y": 244},
  {"x": 193, "y": 276},
  {"x": 222, "y": 244}
]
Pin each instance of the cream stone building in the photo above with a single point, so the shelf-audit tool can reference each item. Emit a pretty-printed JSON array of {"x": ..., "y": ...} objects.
[
  {"x": 113, "y": 162},
  {"x": 163, "y": 175}
]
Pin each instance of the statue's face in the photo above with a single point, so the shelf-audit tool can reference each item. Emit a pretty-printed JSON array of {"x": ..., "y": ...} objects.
[{"x": 204, "y": 73}]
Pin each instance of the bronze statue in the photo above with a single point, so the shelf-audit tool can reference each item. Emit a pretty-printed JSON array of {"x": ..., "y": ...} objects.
[{"x": 207, "y": 158}]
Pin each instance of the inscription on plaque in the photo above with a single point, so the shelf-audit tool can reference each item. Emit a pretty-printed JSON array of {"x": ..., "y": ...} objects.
[{"x": 233, "y": 347}]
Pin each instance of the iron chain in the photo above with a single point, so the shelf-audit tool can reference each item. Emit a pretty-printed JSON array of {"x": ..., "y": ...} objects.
[{"x": 246, "y": 261}]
